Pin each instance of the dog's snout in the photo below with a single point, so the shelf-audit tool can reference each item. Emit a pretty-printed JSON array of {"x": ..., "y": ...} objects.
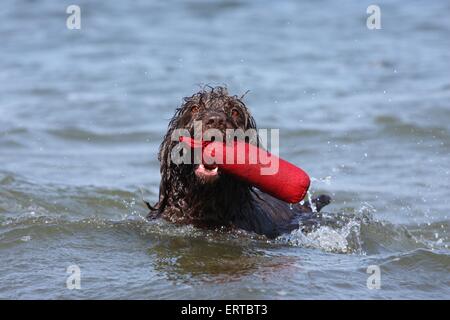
[{"x": 215, "y": 120}]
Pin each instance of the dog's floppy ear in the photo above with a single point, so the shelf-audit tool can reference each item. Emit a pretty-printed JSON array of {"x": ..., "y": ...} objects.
[
  {"x": 164, "y": 159},
  {"x": 158, "y": 208}
]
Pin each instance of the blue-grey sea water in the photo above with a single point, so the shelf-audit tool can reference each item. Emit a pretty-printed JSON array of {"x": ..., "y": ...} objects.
[{"x": 365, "y": 112}]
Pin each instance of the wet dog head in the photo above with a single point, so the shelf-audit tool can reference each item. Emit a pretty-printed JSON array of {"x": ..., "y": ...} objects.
[
  {"x": 206, "y": 115},
  {"x": 210, "y": 114}
]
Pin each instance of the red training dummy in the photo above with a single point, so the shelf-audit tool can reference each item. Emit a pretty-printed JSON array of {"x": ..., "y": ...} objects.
[{"x": 258, "y": 167}]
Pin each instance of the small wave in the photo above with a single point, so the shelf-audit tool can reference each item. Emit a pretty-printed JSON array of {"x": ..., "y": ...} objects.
[
  {"x": 6, "y": 178},
  {"x": 401, "y": 128},
  {"x": 15, "y": 231},
  {"x": 436, "y": 234},
  {"x": 14, "y": 131},
  {"x": 21, "y": 197},
  {"x": 13, "y": 138},
  {"x": 418, "y": 259},
  {"x": 78, "y": 134}
]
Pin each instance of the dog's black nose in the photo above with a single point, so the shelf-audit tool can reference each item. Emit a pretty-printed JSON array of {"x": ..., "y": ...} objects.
[{"x": 215, "y": 120}]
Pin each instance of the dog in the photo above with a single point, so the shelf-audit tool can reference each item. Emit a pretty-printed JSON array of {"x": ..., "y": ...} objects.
[{"x": 208, "y": 198}]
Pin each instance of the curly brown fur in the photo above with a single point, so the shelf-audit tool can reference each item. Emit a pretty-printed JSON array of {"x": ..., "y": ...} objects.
[{"x": 186, "y": 198}]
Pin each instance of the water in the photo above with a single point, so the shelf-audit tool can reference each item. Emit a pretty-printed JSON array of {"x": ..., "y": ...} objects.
[{"x": 82, "y": 113}]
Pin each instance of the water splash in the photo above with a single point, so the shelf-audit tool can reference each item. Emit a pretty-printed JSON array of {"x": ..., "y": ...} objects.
[
  {"x": 311, "y": 203},
  {"x": 326, "y": 180},
  {"x": 328, "y": 238}
]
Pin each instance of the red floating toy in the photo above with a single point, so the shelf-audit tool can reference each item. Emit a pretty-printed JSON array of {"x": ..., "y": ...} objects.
[{"x": 258, "y": 167}]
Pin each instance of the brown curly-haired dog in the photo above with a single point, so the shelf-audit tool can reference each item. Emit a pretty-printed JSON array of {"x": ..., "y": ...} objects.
[{"x": 206, "y": 197}]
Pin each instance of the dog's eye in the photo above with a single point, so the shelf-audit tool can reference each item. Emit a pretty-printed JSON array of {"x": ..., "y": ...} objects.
[
  {"x": 234, "y": 113},
  {"x": 195, "y": 109}
]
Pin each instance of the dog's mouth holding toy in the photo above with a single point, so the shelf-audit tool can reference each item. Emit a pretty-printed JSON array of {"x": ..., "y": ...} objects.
[
  {"x": 207, "y": 173},
  {"x": 284, "y": 180}
]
